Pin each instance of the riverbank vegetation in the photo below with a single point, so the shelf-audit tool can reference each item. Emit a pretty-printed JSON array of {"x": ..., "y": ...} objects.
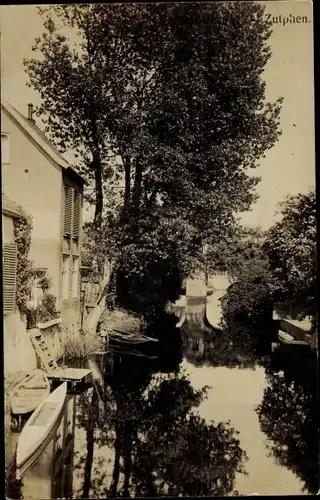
[
  {"x": 291, "y": 247},
  {"x": 271, "y": 269},
  {"x": 80, "y": 345},
  {"x": 22, "y": 236},
  {"x": 168, "y": 158}
]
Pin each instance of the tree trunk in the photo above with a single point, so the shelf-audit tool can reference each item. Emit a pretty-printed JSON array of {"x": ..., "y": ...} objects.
[
  {"x": 90, "y": 447},
  {"x": 99, "y": 192},
  {"x": 116, "y": 466},
  {"x": 137, "y": 189},
  {"x": 127, "y": 180},
  {"x": 127, "y": 445}
]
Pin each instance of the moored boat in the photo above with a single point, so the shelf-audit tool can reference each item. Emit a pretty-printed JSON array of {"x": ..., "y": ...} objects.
[
  {"x": 288, "y": 339},
  {"x": 182, "y": 320},
  {"x": 130, "y": 338},
  {"x": 29, "y": 393},
  {"x": 39, "y": 430}
]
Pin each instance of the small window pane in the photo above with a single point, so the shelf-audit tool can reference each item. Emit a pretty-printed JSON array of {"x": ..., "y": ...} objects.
[
  {"x": 75, "y": 277},
  {"x": 65, "y": 278},
  {"x": 68, "y": 210}
]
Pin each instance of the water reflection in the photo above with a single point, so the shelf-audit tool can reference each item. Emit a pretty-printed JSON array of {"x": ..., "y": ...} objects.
[
  {"x": 151, "y": 442},
  {"x": 207, "y": 347},
  {"x": 272, "y": 469},
  {"x": 177, "y": 418},
  {"x": 289, "y": 416}
]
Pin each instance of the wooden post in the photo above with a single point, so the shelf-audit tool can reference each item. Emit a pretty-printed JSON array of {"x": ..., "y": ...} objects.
[{"x": 84, "y": 305}]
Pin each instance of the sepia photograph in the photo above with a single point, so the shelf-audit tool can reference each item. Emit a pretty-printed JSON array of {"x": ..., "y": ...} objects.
[{"x": 159, "y": 250}]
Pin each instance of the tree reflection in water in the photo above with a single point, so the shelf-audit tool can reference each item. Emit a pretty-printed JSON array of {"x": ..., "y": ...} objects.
[
  {"x": 288, "y": 413},
  {"x": 161, "y": 446},
  {"x": 289, "y": 416},
  {"x": 207, "y": 347}
]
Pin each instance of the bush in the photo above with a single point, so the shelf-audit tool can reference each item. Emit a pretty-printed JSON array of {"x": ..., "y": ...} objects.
[
  {"x": 46, "y": 311},
  {"x": 247, "y": 311},
  {"x": 147, "y": 293},
  {"x": 80, "y": 345},
  {"x": 22, "y": 235},
  {"x": 45, "y": 283}
]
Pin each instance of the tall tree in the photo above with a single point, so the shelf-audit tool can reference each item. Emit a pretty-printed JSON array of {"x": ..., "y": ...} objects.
[
  {"x": 291, "y": 247},
  {"x": 170, "y": 98}
]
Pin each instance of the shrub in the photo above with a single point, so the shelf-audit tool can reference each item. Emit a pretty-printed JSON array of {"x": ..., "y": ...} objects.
[
  {"x": 247, "y": 311},
  {"x": 45, "y": 283},
  {"x": 46, "y": 311},
  {"x": 22, "y": 235},
  {"x": 81, "y": 345}
]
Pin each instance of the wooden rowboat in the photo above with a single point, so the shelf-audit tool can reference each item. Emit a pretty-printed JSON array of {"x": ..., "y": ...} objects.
[
  {"x": 288, "y": 339},
  {"x": 129, "y": 338},
  {"x": 39, "y": 430},
  {"x": 29, "y": 393},
  {"x": 181, "y": 320}
]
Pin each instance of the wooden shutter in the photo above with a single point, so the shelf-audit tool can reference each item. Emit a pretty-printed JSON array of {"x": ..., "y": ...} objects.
[
  {"x": 68, "y": 210},
  {"x": 9, "y": 276},
  {"x": 76, "y": 214}
]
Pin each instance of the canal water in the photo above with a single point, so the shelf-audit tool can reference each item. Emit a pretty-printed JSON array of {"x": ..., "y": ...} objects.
[{"x": 185, "y": 417}]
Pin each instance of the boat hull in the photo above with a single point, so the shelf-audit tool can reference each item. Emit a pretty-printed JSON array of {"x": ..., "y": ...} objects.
[
  {"x": 287, "y": 339},
  {"x": 29, "y": 393},
  {"x": 39, "y": 430}
]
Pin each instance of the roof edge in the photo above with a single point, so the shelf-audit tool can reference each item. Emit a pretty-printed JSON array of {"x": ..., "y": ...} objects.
[
  {"x": 57, "y": 159},
  {"x": 10, "y": 213}
]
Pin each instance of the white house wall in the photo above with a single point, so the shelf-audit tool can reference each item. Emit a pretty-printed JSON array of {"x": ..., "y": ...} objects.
[
  {"x": 7, "y": 229},
  {"x": 32, "y": 181}
]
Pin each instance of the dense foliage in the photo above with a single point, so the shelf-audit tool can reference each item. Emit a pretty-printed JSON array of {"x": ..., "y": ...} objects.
[
  {"x": 47, "y": 309},
  {"x": 247, "y": 305},
  {"x": 291, "y": 246},
  {"x": 276, "y": 268},
  {"x": 238, "y": 253},
  {"x": 22, "y": 236},
  {"x": 169, "y": 99}
]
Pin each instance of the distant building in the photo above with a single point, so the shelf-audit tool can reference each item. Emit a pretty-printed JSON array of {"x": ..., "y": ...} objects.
[{"x": 38, "y": 178}]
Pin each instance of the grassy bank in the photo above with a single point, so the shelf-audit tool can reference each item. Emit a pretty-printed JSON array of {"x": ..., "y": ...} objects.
[{"x": 80, "y": 345}]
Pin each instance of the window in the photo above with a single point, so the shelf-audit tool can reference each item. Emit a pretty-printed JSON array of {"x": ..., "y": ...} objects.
[
  {"x": 5, "y": 153},
  {"x": 75, "y": 277},
  {"x": 9, "y": 277},
  {"x": 68, "y": 210},
  {"x": 72, "y": 209},
  {"x": 70, "y": 242},
  {"x": 65, "y": 276},
  {"x": 76, "y": 214}
]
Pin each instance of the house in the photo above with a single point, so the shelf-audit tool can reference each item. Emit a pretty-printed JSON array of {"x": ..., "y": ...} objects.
[
  {"x": 19, "y": 353},
  {"x": 38, "y": 178}
]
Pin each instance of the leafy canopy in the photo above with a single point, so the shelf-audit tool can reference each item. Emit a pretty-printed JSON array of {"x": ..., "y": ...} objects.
[
  {"x": 168, "y": 101},
  {"x": 291, "y": 249}
]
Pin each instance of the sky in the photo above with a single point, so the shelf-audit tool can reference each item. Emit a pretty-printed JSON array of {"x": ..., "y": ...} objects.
[{"x": 289, "y": 167}]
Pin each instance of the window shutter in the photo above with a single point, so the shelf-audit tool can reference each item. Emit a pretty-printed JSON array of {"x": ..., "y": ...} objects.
[
  {"x": 76, "y": 214},
  {"x": 9, "y": 276},
  {"x": 67, "y": 210}
]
